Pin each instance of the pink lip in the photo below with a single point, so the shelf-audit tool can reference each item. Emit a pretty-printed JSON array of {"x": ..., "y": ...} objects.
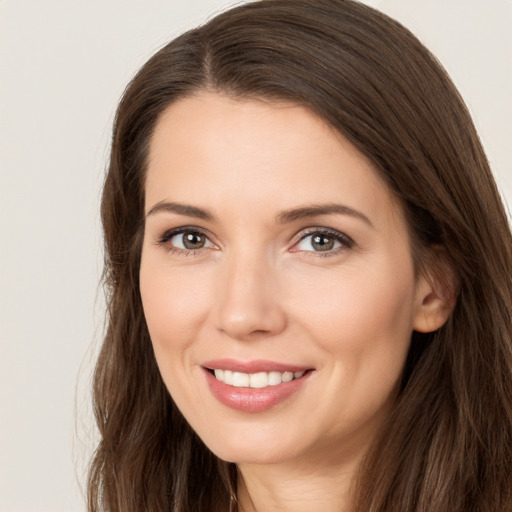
[
  {"x": 254, "y": 366},
  {"x": 252, "y": 399}
]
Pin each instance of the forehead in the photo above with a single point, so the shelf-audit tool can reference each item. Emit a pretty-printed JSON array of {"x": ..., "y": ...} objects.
[{"x": 259, "y": 155}]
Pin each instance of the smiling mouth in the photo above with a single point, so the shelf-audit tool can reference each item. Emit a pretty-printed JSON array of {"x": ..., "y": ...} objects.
[
  {"x": 257, "y": 380},
  {"x": 254, "y": 386}
]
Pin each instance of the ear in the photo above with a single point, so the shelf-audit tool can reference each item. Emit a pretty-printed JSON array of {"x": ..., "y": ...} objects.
[{"x": 436, "y": 293}]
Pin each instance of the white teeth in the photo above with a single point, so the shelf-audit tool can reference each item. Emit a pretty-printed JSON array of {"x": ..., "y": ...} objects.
[
  {"x": 258, "y": 380},
  {"x": 240, "y": 380},
  {"x": 274, "y": 378},
  {"x": 255, "y": 380},
  {"x": 287, "y": 376},
  {"x": 228, "y": 377}
]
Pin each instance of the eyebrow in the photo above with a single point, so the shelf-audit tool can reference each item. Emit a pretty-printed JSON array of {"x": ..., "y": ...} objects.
[
  {"x": 181, "y": 209},
  {"x": 285, "y": 217},
  {"x": 321, "y": 209}
]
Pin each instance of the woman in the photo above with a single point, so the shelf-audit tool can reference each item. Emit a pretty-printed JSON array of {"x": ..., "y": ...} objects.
[{"x": 309, "y": 271}]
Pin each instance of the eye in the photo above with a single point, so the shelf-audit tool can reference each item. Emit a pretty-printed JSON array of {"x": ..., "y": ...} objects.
[
  {"x": 324, "y": 241},
  {"x": 185, "y": 240},
  {"x": 189, "y": 240}
]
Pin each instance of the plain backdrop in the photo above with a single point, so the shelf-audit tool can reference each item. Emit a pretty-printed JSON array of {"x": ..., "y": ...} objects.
[{"x": 63, "y": 67}]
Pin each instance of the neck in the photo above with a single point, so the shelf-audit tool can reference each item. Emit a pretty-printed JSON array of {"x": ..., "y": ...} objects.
[{"x": 295, "y": 488}]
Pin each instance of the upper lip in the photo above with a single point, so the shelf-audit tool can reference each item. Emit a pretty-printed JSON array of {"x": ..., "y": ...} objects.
[{"x": 254, "y": 366}]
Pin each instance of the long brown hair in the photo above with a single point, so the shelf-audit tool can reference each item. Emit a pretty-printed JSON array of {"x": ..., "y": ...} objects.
[{"x": 448, "y": 443}]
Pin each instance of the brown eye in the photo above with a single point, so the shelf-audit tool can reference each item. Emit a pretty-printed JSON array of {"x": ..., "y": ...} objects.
[
  {"x": 192, "y": 240},
  {"x": 185, "y": 240},
  {"x": 322, "y": 242},
  {"x": 327, "y": 242}
]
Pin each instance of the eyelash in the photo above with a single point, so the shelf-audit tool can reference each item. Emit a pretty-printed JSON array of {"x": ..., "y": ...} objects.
[
  {"x": 166, "y": 237},
  {"x": 345, "y": 241}
]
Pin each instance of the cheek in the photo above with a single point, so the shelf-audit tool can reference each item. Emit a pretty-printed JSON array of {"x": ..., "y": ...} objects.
[
  {"x": 362, "y": 326},
  {"x": 173, "y": 303},
  {"x": 362, "y": 322},
  {"x": 173, "y": 306},
  {"x": 349, "y": 303}
]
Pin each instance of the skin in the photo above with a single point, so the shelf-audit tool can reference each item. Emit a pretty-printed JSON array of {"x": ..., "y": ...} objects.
[{"x": 259, "y": 289}]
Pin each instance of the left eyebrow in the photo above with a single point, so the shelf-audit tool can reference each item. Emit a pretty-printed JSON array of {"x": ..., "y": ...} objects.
[{"x": 302, "y": 212}]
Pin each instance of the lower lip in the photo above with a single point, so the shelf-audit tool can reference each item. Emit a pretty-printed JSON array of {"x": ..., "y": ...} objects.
[{"x": 253, "y": 399}]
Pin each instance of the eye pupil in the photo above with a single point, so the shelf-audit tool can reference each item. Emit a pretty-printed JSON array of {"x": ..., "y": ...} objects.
[
  {"x": 193, "y": 240},
  {"x": 322, "y": 242}
]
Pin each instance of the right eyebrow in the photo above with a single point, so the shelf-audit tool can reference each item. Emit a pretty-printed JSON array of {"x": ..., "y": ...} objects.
[{"x": 180, "y": 209}]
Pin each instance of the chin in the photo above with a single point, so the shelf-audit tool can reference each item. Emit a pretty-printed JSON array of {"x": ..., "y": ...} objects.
[{"x": 251, "y": 448}]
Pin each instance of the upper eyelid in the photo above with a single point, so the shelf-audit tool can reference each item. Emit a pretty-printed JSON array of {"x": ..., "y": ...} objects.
[
  {"x": 169, "y": 233},
  {"x": 318, "y": 229},
  {"x": 326, "y": 231}
]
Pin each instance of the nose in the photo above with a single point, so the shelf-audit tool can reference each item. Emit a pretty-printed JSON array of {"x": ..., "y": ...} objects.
[{"x": 247, "y": 305}]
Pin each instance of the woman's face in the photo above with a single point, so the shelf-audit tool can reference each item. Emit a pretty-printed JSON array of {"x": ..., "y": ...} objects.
[{"x": 273, "y": 251}]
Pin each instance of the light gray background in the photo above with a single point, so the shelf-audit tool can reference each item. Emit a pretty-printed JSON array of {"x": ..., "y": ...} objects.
[{"x": 63, "y": 66}]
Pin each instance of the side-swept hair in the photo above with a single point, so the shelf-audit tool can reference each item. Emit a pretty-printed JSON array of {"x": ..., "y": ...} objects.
[{"x": 447, "y": 446}]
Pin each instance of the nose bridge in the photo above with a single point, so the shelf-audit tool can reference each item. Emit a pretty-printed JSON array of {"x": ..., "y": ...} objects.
[{"x": 248, "y": 303}]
